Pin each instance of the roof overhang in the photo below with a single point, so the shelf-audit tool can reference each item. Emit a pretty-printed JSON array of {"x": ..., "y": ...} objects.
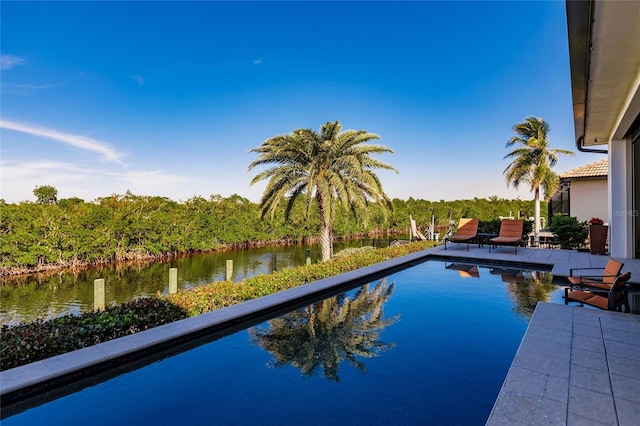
[
  {"x": 604, "y": 52},
  {"x": 581, "y": 178}
]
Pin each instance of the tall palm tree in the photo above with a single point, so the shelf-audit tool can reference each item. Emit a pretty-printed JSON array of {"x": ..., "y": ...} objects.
[
  {"x": 532, "y": 162},
  {"x": 329, "y": 167}
]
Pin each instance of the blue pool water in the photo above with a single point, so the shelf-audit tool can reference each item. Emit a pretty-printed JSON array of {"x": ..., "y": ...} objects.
[{"x": 426, "y": 345}]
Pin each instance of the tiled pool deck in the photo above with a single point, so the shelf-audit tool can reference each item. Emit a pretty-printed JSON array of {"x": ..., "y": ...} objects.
[
  {"x": 586, "y": 362},
  {"x": 562, "y": 260},
  {"x": 575, "y": 365}
]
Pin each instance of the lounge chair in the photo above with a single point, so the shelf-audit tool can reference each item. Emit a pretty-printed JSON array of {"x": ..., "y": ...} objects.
[
  {"x": 613, "y": 301},
  {"x": 510, "y": 234},
  {"x": 603, "y": 281},
  {"x": 467, "y": 232}
]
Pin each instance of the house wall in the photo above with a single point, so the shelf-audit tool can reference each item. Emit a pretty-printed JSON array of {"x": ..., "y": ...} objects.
[
  {"x": 620, "y": 206},
  {"x": 589, "y": 199}
]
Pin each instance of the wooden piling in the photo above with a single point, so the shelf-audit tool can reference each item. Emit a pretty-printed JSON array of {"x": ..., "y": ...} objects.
[
  {"x": 98, "y": 294},
  {"x": 173, "y": 280},
  {"x": 229, "y": 273}
]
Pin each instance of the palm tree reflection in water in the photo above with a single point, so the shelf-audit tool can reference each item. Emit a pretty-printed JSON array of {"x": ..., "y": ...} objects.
[
  {"x": 528, "y": 288},
  {"x": 325, "y": 333}
]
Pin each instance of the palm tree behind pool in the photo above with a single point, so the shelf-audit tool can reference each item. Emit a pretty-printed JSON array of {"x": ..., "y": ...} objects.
[
  {"x": 329, "y": 167},
  {"x": 532, "y": 162}
]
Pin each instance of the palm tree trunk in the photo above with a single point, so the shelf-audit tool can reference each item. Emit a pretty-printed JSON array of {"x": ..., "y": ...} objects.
[
  {"x": 327, "y": 242},
  {"x": 326, "y": 226},
  {"x": 536, "y": 218}
]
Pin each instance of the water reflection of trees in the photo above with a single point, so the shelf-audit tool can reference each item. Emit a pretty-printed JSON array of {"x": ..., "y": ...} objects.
[
  {"x": 527, "y": 288},
  {"x": 321, "y": 335}
]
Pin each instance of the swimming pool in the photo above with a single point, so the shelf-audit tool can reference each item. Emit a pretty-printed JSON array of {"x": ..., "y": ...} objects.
[{"x": 430, "y": 344}]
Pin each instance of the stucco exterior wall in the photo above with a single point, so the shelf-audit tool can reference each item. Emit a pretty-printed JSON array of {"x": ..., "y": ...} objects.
[
  {"x": 589, "y": 199},
  {"x": 620, "y": 205}
]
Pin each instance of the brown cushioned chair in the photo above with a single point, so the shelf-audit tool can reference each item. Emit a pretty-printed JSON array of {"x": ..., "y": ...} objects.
[
  {"x": 603, "y": 281},
  {"x": 510, "y": 233},
  {"x": 613, "y": 300},
  {"x": 467, "y": 231}
]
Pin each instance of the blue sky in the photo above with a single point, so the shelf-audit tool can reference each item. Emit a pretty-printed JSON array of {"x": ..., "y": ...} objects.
[{"x": 164, "y": 98}]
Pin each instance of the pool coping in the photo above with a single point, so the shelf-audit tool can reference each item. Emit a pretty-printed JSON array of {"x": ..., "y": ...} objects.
[{"x": 24, "y": 383}]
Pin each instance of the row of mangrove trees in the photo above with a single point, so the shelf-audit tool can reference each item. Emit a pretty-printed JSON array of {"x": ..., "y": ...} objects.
[{"x": 71, "y": 232}]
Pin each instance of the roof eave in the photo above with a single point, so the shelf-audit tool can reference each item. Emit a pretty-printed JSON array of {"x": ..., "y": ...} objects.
[
  {"x": 579, "y": 28},
  {"x": 604, "y": 54}
]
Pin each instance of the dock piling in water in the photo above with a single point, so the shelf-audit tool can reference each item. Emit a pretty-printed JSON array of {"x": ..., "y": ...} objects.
[
  {"x": 98, "y": 294},
  {"x": 173, "y": 280},
  {"x": 229, "y": 273}
]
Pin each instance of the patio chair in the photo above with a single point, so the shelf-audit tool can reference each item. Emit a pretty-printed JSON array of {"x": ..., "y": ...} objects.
[
  {"x": 613, "y": 301},
  {"x": 603, "y": 281},
  {"x": 467, "y": 232},
  {"x": 510, "y": 233}
]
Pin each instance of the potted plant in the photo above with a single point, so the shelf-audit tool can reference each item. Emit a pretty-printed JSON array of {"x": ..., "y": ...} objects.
[{"x": 597, "y": 235}]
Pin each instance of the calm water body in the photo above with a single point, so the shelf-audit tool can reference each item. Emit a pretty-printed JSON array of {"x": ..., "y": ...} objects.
[
  {"x": 38, "y": 297},
  {"x": 427, "y": 345}
]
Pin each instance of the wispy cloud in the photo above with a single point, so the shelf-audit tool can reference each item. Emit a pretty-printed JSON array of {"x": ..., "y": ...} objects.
[
  {"x": 81, "y": 142},
  {"x": 21, "y": 169},
  {"x": 33, "y": 86},
  {"x": 26, "y": 89},
  {"x": 138, "y": 78},
  {"x": 257, "y": 61},
  {"x": 19, "y": 178},
  {"x": 10, "y": 61}
]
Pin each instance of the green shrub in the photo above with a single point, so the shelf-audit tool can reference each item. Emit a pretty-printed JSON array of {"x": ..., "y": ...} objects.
[
  {"x": 489, "y": 226},
  {"x": 26, "y": 343},
  {"x": 352, "y": 251},
  {"x": 570, "y": 232},
  {"x": 220, "y": 294}
]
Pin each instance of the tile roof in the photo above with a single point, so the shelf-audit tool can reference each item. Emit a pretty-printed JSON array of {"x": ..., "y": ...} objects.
[{"x": 596, "y": 169}]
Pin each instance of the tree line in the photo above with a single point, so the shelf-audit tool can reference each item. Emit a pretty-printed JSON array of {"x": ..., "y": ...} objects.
[{"x": 71, "y": 232}]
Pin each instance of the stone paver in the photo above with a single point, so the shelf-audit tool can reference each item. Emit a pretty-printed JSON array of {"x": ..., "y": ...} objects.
[{"x": 598, "y": 383}]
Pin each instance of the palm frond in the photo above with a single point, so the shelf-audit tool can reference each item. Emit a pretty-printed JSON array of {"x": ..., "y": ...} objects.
[
  {"x": 532, "y": 159},
  {"x": 332, "y": 167}
]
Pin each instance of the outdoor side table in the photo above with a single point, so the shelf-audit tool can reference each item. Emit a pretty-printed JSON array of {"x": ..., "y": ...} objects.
[{"x": 484, "y": 237}]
